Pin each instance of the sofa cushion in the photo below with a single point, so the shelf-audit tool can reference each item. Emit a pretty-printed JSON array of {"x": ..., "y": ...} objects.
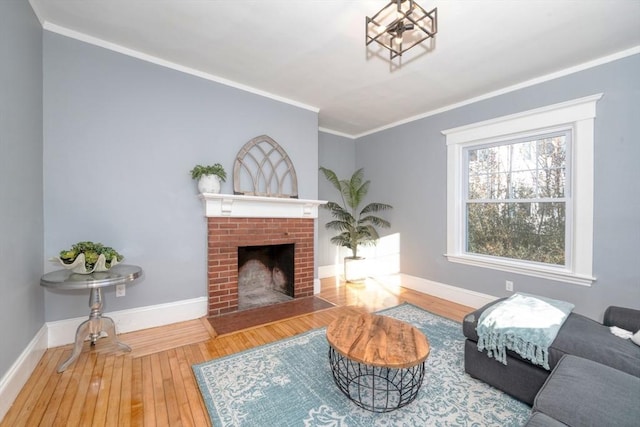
[
  {"x": 538, "y": 419},
  {"x": 470, "y": 321},
  {"x": 580, "y": 392},
  {"x": 579, "y": 336}
]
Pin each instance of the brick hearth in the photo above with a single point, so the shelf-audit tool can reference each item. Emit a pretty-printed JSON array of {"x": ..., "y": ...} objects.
[{"x": 226, "y": 234}]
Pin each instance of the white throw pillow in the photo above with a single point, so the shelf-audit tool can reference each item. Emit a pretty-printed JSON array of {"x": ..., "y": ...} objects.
[
  {"x": 636, "y": 338},
  {"x": 619, "y": 332}
]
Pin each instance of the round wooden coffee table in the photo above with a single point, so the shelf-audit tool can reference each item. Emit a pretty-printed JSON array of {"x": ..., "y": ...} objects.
[{"x": 377, "y": 361}]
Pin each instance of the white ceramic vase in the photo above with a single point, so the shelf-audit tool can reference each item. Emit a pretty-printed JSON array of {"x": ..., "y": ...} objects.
[{"x": 209, "y": 184}]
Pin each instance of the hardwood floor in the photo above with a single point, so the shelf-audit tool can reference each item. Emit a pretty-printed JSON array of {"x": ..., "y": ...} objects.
[{"x": 154, "y": 384}]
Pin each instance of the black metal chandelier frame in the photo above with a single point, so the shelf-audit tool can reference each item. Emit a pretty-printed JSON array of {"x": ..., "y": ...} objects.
[{"x": 389, "y": 32}]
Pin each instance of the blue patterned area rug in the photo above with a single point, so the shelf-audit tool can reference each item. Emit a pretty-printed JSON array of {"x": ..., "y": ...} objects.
[{"x": 289, "y": 383}]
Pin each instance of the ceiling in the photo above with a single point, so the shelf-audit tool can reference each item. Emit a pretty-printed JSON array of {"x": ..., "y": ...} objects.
[{"x": 312, "y": 52}]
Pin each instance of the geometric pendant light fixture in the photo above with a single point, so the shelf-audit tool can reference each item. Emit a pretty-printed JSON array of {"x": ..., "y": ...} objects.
[{"x": 401, "y": 25}]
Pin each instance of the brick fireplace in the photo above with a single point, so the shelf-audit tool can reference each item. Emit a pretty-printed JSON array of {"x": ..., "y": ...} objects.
[{"x": 238, "y": 221}]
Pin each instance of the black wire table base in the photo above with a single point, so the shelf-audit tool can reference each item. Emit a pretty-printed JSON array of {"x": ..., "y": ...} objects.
[{"x": 375, "y": 388}]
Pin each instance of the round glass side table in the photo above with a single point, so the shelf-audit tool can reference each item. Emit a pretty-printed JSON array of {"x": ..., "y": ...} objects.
[{"x": 97, "y": 323}]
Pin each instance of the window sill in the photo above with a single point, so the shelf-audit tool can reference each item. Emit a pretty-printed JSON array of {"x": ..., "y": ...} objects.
[{"x": 550, "y": 273}]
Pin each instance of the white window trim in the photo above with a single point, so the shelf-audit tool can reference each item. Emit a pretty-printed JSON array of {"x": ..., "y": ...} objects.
[{"x": 579, "y": 115}]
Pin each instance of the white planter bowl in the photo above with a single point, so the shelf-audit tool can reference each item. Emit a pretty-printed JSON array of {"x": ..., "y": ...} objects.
[
  {"x": 209, "y": 184},
  {"x": 355, "y": 269},
  {"x": 78, "y": 265}
]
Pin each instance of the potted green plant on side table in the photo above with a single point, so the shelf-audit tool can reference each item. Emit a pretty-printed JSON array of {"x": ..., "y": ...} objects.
[
  {"x": 209, "y": 177},
  {"x": 357, "y": 226},
  {"x": 87, "y": 257}
]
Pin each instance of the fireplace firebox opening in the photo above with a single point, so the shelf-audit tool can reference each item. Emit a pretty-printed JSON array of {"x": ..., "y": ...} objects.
[{"x": 265, "y": 275}]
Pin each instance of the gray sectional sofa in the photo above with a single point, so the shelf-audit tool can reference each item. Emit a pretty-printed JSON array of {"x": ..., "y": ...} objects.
[
  {"x": 594, "y": 373},
  {"x": 581, "y": 392}
]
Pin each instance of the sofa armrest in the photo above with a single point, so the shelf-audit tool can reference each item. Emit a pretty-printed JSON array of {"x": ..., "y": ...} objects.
[{"x": 625, "y": 318}]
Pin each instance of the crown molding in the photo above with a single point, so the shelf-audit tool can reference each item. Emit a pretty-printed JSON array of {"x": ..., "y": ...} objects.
[
  {"x": 46, "y": 25},
  {"x": 63, "y": 31},
  {"x": 336, "y": 133},
  {"x": 548, "y": 77}
]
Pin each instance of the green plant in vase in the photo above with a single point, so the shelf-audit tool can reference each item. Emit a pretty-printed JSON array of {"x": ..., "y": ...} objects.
[
  {"x": 86, "y": 257},
  {"x": 209, "y": 177}
]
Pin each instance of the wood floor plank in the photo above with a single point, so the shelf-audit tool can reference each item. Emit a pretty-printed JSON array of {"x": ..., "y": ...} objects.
[
  {"x": 37, "y": 406},
  {"x": 207, "y": 324},
  {"x": 137, "y": 399},
  {"x": 190, "y": 354},
  {"x": 70, "y": 393},
  {"x": 198, "y": 411},
  {"x": 168, "y": 386},
  {"x": 76, "y": 410},
  {"x": 88, "y": 408},
  {"x": 64, "y": 388},
  {"x": 126, "y": 395},
  {"x": 154, "y": 385},
  {"x": 204, "y": 352},
  {"x": 182, "y": 400},
  {"x": 115, "y": 393},
  {"x": 103, "y": 392},
  {"x": 159, "y": 401},
  {"x": 149, "y": 413},
  {"x": 154, "y": 340}
]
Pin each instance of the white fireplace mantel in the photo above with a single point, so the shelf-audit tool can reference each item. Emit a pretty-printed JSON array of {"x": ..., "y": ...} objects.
[{"x": 238, "y": 206}]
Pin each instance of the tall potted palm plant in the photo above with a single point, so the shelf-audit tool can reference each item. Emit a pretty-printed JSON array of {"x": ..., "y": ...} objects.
[{"x": 356, "y": 225}]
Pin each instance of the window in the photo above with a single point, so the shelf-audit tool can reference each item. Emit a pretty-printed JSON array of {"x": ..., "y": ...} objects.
[
  {"x": 520, "y": 192},
  {"x": 514, "y": 195}
]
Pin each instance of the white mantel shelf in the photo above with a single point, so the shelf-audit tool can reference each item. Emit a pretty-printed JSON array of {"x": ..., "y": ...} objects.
[{"x": 238, "y": 206}]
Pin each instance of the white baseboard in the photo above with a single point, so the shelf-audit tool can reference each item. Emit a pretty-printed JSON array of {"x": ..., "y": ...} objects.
[
  {"x": 63, "y": 332},
  {"x": 379, "y": 265},
  {"x": 316, "y": 286},
  {"x": 18, "y": 374},
  {"x": 325, "y": 271},
  {"x": 452, "y": 293}
]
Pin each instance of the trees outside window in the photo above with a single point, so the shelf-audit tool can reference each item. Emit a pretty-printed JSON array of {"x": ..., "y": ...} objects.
[{"x": 515, "y": 199}]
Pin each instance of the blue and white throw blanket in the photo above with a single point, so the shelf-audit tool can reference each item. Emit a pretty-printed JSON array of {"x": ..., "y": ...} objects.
[{"x": 523, "y": 323}]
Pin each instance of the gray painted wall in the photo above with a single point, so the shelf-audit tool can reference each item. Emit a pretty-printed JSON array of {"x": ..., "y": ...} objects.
[
  {"x": 120, "y": 136},
  {"x": 21, "y": 221},
  {"x": 419, "y": 193},
  {"x": 338, "y": 154}
]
